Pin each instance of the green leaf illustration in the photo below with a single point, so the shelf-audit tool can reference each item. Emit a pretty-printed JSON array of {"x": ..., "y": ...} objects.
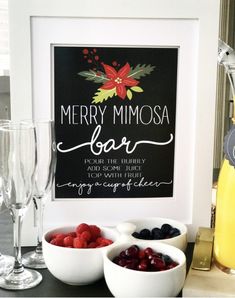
[
  {"x": 91, "y": 75},
  {"x": 140, "y": 71},
  {"x": 103, "y": 94},
  {"x": 137, "y": 89},
  {"x": 129, "y": 94}
]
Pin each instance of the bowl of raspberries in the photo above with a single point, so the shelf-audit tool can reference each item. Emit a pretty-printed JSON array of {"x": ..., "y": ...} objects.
[
  {"x": 165, "y": 230},
  {"x": 140, "y": 268},
  {"x": 73, "y": 254}
]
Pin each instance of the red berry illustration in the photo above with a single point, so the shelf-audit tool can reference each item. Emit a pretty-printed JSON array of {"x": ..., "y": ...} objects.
[
  {"x": 114, "y": 77},
  {"x": 85, "y": 51}
]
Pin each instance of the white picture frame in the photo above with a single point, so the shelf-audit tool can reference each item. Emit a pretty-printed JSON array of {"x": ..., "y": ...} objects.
[{"x": 188, "y": 24}]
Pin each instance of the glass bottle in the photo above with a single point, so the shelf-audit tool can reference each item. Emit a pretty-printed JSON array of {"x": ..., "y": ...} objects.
[{"x": 224, "y": 240}]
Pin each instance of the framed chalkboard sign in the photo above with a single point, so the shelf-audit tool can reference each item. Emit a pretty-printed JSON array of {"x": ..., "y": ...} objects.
[
  {"x": 115, "y": 113},
  {"x": 132, "y": 93}
]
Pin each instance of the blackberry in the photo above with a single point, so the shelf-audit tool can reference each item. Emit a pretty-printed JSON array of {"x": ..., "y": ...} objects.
[
  {"x": 145, "y": 234},
  {"x": 157, "y": 234},
  {"x": 174, "y": 232},
  {"x": 136, "y": 235},
  {"x": 165, "y": 228}
]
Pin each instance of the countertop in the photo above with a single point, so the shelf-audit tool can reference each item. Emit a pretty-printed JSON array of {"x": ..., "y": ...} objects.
[{"x": 52, "y": 287}]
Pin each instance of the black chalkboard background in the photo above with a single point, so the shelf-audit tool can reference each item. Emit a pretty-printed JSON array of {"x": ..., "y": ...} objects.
[{"x": 149, "y": 170}]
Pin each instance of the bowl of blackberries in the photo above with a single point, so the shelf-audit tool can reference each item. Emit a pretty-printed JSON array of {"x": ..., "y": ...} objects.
[
  {"x": 158, "y": 229},
  {"x": 144, "y": 269}
]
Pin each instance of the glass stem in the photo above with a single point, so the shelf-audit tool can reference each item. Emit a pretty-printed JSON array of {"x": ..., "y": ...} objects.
[
  {"x": 38, "y": 202},
  {"x": 17, "y": 217}
]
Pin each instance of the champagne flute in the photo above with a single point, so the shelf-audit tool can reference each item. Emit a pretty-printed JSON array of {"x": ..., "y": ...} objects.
[
  {"x": 17, "y": 169},
  {"x": 44, "y": 177},
  {"x": 6, "y": 262}
]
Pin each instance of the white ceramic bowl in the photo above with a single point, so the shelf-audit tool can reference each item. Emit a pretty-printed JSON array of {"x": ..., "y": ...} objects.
[
  {"x": 152, "y": 222},
  {"x": 75, "y": 266},
  {"x": 124, "y": 282}
]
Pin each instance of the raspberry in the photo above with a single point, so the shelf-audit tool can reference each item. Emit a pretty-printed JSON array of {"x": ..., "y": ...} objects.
[
  {"x": 72, "y": 234},
  {"x": 101, "y": 245},
  {"x": 79, "y": 243},
  {"x": 103, "y": 241},
  {"x": 68, "y": 241},
  {"x": 53, "y": 236},
  {"x": 58, "y": 235},
  {"x": 81, "y": 228},
  {"x": 53, "y": 241},
  {"x": 107, "y": 241},
  {"x": 92, "y": 245},
  {"x": 99, "y": 240},
  {"x": 57, "y": 242},
  {"x": 86, "y": 235},
  {"x": 95, "y": 232},
  {"x": 59, "y": 239}
]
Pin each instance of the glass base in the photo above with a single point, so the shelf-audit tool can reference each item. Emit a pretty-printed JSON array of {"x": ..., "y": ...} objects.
[
  {"x": 6, "y": 264},
  {"x": 34, "y": 260},
  {"x": 20, "y": 281},
  {"x": 224, "y": 268}
]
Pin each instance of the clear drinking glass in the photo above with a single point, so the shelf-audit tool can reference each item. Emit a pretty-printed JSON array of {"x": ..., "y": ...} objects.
[
  {"x": 44, "y": 177},
  {"x": 17, "y": 169},
  {"x": 6, "y": 262}
]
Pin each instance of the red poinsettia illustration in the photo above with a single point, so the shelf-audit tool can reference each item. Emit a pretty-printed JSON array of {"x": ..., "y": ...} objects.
[{"x": 116, "y": 80}]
